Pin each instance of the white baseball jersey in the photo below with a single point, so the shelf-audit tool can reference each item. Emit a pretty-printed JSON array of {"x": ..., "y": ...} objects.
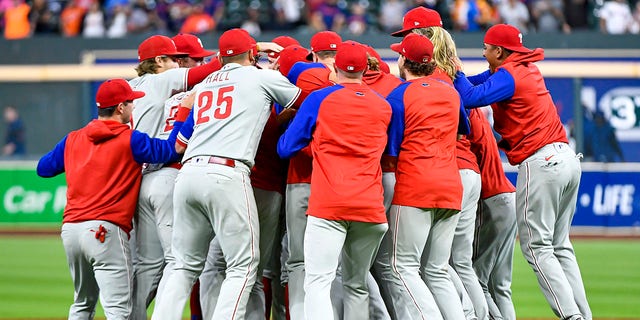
[
  {"x": 231, "y": 109},
  {"x": 171, "y": 107},
  {"x": 148, "y": 111}
]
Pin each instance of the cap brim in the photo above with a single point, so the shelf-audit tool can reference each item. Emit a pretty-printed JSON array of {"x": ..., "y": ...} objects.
[
  {"x": 520, "y": 49},
  {"x": 176, "y": 53},
  {"x": 136, "y": 95},
  {"x": 202, "y": 54},
  {"x": 401, "y": 33},
  {"x": 397, "y": 47}
]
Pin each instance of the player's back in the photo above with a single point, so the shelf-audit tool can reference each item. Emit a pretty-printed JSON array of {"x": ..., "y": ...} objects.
[
  {"x": 231, "y": 108},
  {"x": 148, "y": 111},
  {"x": 427, "y": 174},
  {"x": 348, "y": 141}
]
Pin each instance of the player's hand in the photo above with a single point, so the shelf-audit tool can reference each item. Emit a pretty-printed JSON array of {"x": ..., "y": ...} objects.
[
  {"x": 274, "y": 64},
  {"x": 269, "y": 47},
  {"x": 286, "y": 115},
  {"x": 188, "y": 100}
]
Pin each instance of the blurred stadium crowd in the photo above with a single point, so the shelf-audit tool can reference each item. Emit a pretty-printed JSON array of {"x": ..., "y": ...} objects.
[{"x": 119, "y": 18}]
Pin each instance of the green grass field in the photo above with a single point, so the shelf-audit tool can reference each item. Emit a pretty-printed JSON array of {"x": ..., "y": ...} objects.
[{"x": 35, "y": 281}]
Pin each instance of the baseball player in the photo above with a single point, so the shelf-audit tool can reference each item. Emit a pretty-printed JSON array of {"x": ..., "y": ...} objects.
[
  {"x": 160, "y": 78},
  {"x": 428, "y": 22},
  {"x": 267, "y": 179},
  {"x": 495, "y": 222},
  {"x": 548, "y": 169},
  {"x": 428, "y": 191},
  {"x": 192, "y": 45},
  {"x": 213, "y": 192},
  {"x": 308, "y": 77},
  {"x": 100, "y": 204},
  {"x": 275, "y": 273},
  {"x": 346, "y": 213},
  {"x": 382, "y": 83}
]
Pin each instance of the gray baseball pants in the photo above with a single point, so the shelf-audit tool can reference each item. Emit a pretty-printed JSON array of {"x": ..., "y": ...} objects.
[
  {"x": 154, "y": 225},
  {"x": 420, "y": 250},
  {"x": 98, "y": 269},
  {"x": 546, "y": 194},
  {"x": 493, "y": 252},
  {"x": 462, "y": 247},
  {"x": 212, "y": 199},
  {"x": 327, "y": 240}
]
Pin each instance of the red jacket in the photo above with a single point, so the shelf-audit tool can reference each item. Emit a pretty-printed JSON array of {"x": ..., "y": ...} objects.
[
  {"x": 529, "y": 120},
  {"x": 427, "y": 175}
]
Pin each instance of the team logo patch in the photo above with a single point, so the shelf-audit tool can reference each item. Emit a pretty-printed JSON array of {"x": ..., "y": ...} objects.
[
  {"x": 333, "y": 46},
  {"x": 358, "y": 93},
  {"x": 416, "y": 23},
  {"x": 229, "y": 51},
  {"x": 350, "y": 68},
  {"x": 425, "y": 84}
]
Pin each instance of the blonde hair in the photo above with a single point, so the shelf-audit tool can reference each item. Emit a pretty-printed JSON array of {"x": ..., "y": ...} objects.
[
  {"x": 148, "y": 66},
  {"x": 444, "y": 49}
]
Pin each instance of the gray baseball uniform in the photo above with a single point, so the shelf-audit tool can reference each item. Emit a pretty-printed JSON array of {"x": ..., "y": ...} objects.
[
  {"x": 152, "y": 114},
  {"x": 213, "y": 192}
]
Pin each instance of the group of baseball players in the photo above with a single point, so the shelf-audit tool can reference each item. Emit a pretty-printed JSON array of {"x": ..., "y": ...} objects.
[{"x": 321, "y": 186}]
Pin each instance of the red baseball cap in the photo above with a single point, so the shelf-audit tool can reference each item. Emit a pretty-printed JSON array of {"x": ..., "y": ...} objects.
[
  {"x": 235, "y": 41},
  {"x": 506, "y": 36},
  {"x": 283, "y": 41},
  {"x": 384, "y": 67},
  {"x": 325, "y": 41},
  {"x": 191, "y": 45},
  {"x": 157, "y": 46},
  {"x": 415, "y": 47},
  {"x": 417, "y": 18},
  {"x": 351, "y": 57},
  {"x": 115, "y": 91},
  {"x": 289, "y": 56}
]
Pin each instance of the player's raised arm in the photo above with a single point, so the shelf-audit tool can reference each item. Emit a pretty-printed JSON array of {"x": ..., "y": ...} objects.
[{"x": 498, "y": 87}]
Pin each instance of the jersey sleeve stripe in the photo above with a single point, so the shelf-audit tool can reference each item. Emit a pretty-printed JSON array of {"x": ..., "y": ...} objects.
[
  {"x": 293, "y": 100},
  {"x": 182, "y": 140}
]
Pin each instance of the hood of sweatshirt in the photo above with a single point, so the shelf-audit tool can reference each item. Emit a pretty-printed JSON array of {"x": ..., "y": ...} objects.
[
  {"x": 101, "y": 130},
  {"x": 533, "y": 56},
  {"x": 371, "y": 76}
]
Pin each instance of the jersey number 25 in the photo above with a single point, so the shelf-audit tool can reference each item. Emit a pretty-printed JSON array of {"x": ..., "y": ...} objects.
[{"x": 223, "y": 104}]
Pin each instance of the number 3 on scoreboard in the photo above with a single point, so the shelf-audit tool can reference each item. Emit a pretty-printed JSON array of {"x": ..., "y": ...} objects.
[{"x": 223, "y": 104}]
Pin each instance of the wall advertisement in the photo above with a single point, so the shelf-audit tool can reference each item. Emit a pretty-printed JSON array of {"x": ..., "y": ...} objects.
[{"x": 29, "y": 198}]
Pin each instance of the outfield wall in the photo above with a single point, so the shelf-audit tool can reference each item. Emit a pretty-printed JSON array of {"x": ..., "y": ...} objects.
[{"x": 608, "y": 198}]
